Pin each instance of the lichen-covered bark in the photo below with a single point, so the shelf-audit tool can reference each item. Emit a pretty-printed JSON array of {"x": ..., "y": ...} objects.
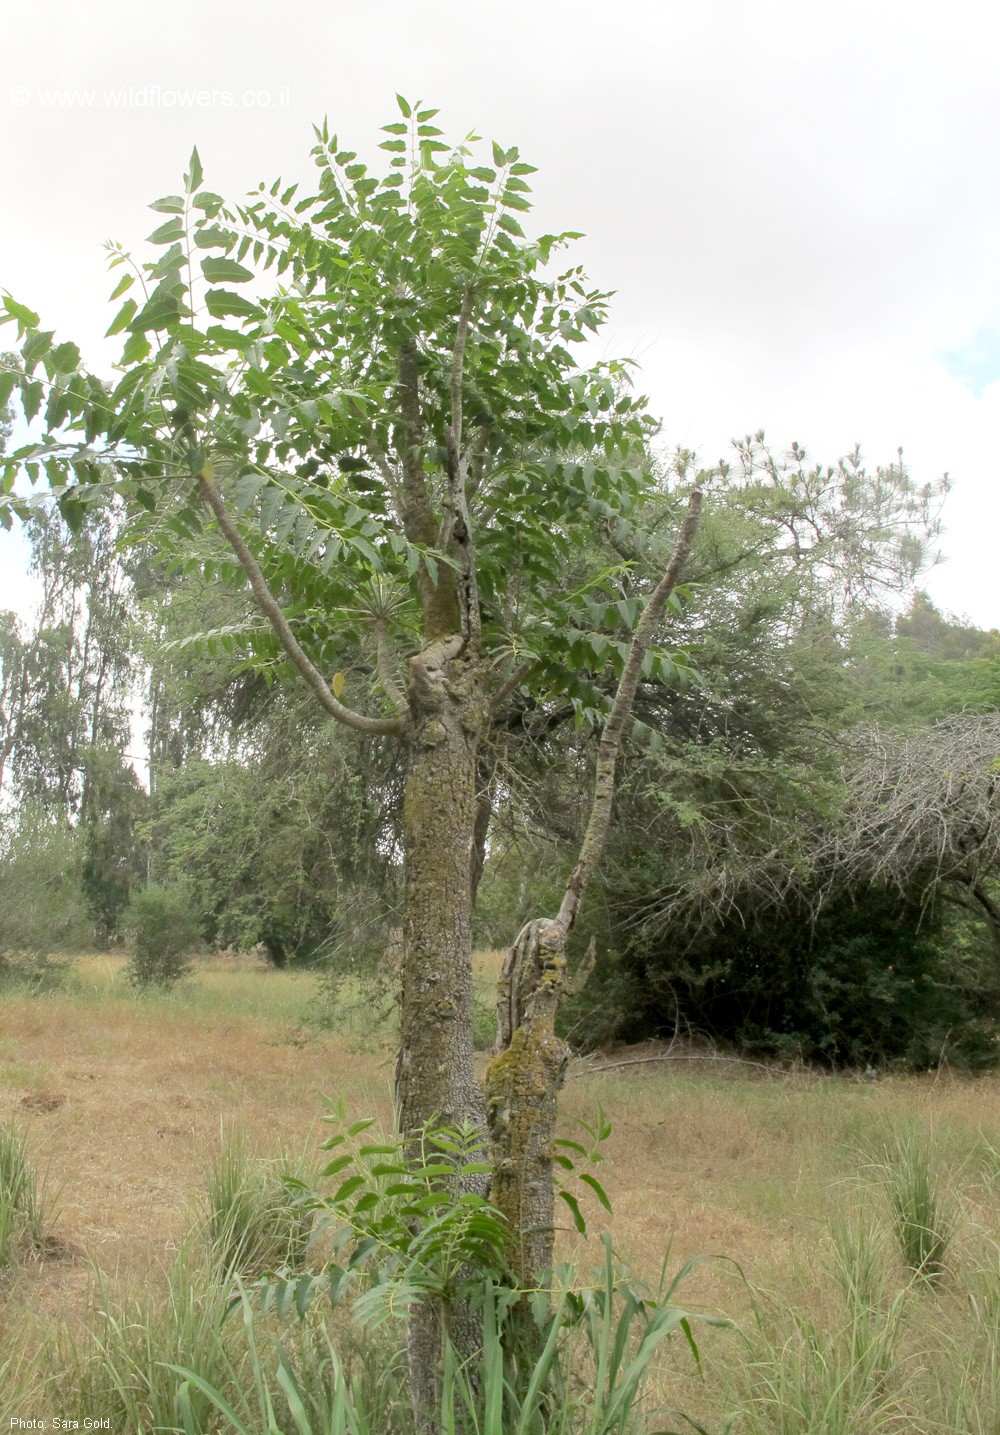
[
  {"x": 436, "y": 1078},
  {"x": 523, "y": 1082}
]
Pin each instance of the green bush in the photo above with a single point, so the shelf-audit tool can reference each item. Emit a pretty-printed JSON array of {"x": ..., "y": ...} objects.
[
  {"x": 163, "y": 926},
  {"x": 407, "y": 1229},
  {"x": 308, "y": 879},
  {"x": 921, "y": 1218},
  {"x": 118, "y": 1362},
  {"x": 595, "y": 1350}
]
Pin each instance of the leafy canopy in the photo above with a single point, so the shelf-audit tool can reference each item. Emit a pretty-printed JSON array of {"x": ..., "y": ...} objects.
[{"x": 269, "y": 347}]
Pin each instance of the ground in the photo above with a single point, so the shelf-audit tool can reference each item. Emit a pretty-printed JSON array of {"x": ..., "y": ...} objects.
[{"x": 123, "y": 1099}]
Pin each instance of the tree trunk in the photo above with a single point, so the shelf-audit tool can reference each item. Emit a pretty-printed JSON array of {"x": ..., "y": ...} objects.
[{"x": 435, "y": 1077}]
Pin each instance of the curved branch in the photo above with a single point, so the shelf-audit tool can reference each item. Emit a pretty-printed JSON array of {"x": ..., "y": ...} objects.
[
  {"x": 527, "y": 1072},
  {"x": 271, "y": 609}
]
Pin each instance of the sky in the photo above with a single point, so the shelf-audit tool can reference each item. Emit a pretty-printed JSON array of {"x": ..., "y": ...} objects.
[{"x": 797, "y": 204}]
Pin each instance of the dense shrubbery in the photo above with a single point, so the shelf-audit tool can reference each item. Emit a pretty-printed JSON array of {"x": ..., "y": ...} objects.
[
  {"x": 869, "y": 981},
  {"x": 163, "y": 925},
  {"x": 793, "y": 878},
  {"x": 281, "y": 842}
]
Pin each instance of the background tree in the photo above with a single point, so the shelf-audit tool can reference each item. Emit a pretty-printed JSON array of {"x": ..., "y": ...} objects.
[
  {"x": 285, "y": 840},
  {"x": 40, "y": 896},
  {"x": 67, "y": 687},
  {"x": 924, "y": 666},
  {"x": 781, "y": 879},
  {"x": 41, "y": 911}
]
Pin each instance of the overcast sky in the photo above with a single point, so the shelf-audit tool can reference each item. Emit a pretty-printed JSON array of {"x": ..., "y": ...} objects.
[{"x": 797, "y": 203}]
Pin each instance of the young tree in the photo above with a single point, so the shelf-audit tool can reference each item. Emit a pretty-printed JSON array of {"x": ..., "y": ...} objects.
[{"x": 393, "y": 432}]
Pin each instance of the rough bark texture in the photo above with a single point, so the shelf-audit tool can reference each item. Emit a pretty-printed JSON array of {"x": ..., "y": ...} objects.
[{"x": 436, "y": 1077}]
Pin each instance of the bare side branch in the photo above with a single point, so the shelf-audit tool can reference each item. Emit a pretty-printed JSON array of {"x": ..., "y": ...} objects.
[
  {"x": 529, "y": 1066},
  {"x": 598, "y": 824},
  {"x": 511, "y": 684}
]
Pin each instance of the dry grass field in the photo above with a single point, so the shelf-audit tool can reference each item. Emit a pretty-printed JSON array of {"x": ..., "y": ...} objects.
[
  {"x": 123, "y": 1100},
  {"x": 783, "y": 1176}
]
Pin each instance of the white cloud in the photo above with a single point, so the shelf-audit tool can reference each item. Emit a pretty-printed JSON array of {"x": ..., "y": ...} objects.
[{"x": 798, "y": 204}]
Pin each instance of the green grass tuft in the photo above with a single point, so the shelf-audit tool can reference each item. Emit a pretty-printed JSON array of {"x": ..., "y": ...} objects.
[
  {"x": 23, "y": 1218},
  {"x": 259, "y": 1217},
  {"x": 922, "y": 1221}
]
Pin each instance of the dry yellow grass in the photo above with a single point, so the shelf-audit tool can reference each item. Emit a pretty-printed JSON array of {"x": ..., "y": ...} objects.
[{"x": 122, "y": 1099}]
